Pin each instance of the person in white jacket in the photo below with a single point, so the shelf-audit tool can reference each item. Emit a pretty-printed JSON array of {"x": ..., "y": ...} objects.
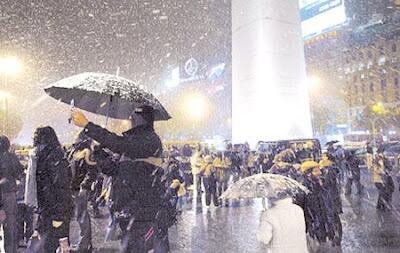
[{"x": 282, "y": 228}]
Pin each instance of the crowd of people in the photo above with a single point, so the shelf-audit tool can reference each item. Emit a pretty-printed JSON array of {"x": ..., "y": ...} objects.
[{"x": 144, "y": 185}]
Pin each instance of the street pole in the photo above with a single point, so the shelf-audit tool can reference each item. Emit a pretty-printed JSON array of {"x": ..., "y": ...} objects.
[{"x": 373, "y": 124}]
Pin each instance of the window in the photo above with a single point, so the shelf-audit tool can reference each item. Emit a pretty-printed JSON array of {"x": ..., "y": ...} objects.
[
  {"x": 396, "y": 82},
  {"x": 394, "y": 47},
  {"x": 383, "y": 84},
  {"x": 381, "y": 50},
  {"x": 370, "y": 63},
  {"x": 371, "y": 87},
  {"x": 381, "y": 60}
]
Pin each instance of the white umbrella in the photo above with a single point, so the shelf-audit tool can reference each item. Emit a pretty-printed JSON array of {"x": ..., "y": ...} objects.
[{"x": 263, "y": 186}]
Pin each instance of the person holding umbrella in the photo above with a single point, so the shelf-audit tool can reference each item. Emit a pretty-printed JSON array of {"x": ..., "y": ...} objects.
[{"x": 137, "y": 175}]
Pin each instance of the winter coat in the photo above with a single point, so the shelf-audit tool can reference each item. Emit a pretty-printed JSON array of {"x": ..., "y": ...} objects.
[
  {"x": 331, "y": 188},
  {"x": 207, "y": 169},
  {"x": 172, "y": 173},
  {"x": 283, "y": 228},
  {"x": 314, "y": 207},
  {"x": 53, "y": 181},
  {"x": 285, "y": 169},
  {"x": 196, "y": 162},
  {"x": 137, "y": 188},
  {"x": 10, "y": 170},
  {"x": 222, "y": 166},
  {"x": 83, "y": 174},
  {"x": 378, "y": 170},
  {"x": 353, "y": 165}
]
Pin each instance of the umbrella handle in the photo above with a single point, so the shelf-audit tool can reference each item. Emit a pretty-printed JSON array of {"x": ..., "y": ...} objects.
[
  {"x": 108, "y": 110},
  {"x": 72, "y": 108}
]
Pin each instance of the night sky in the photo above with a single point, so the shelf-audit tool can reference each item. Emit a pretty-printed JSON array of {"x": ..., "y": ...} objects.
[{"x": 145, "y": 39}]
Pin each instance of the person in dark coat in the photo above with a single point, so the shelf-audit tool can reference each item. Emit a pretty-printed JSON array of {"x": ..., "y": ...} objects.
[
  {"x": 209, "y": 174},
  {"x": 236, "y": 160},
  {"x": 54, "y": 195},
  {"x": 383, "y": 182},
  {"x": 137, "y": 180},
  {"x": 354, "y": 173},
  {"x": 313, "y": 203},
  {"x": 10, "y": 171},
  {"x": 333, "y": 203}
]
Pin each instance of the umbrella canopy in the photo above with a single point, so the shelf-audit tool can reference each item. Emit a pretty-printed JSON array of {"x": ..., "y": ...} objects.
[
  {"x": 105, "y": 94},
  {"x": 331, "y": 143},
  {"x": 263, "y": 185}
]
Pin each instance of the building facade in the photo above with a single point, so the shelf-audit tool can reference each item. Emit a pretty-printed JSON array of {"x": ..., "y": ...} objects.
[{"x": 358, "y": 64}]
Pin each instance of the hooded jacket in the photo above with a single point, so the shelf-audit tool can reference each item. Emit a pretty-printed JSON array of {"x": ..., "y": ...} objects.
[{"x": 283, "y": 228}]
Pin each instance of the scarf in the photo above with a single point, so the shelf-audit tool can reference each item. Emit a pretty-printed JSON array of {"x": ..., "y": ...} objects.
[{"x": 31, "y": 185}]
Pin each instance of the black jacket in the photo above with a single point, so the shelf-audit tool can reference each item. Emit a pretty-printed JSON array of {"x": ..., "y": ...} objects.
[
  {"x": 10, "y": 170},
  {"x": 137, "y": 187},
  {"x": 53, "y": 178}
]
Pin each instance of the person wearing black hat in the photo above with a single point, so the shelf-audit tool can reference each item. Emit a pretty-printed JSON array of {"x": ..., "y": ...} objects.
[
  {"x": 138, "y": 186},
  {"x": 10, "y": 171}
]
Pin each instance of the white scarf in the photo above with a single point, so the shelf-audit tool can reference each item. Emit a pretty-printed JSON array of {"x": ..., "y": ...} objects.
[{"x": 31, "y": 184}]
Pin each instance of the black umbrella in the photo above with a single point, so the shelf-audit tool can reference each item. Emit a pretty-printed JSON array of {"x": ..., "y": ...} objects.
[
  {"x": 331, "y": 143},
  {"x": 105, "y": 94}
]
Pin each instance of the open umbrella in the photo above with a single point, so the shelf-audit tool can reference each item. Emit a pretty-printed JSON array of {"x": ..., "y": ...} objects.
[
  {"x": 109, "y": 95},
  {"x": 263, "y": 185},
  {"x": 331, "y": 143}
]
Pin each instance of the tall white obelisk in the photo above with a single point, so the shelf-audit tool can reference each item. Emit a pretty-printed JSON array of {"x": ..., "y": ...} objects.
[{"x": 270, "y": 99}]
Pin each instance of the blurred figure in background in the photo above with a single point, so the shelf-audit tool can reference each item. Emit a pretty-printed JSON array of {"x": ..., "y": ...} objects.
[
  {"x": 333, "y": 203},
  {"x": 84, "y": 174},
  {"x": 369, "y": 156},
  {"x": 354, "y": 173},
  {"x": 196, "y": 163},
  {"x": 222, "y": 165},
  {"x": 383, "y": 182},
  {"x": 11, "y": 170},
  {"x": 210, "y": 181}
]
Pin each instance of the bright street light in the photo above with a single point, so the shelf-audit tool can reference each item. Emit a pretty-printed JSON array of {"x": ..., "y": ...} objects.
[
  {"x": 196, "y": 106},
  {"x": 313, "y": 83},
  {"x": 10, "y": 65}
]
